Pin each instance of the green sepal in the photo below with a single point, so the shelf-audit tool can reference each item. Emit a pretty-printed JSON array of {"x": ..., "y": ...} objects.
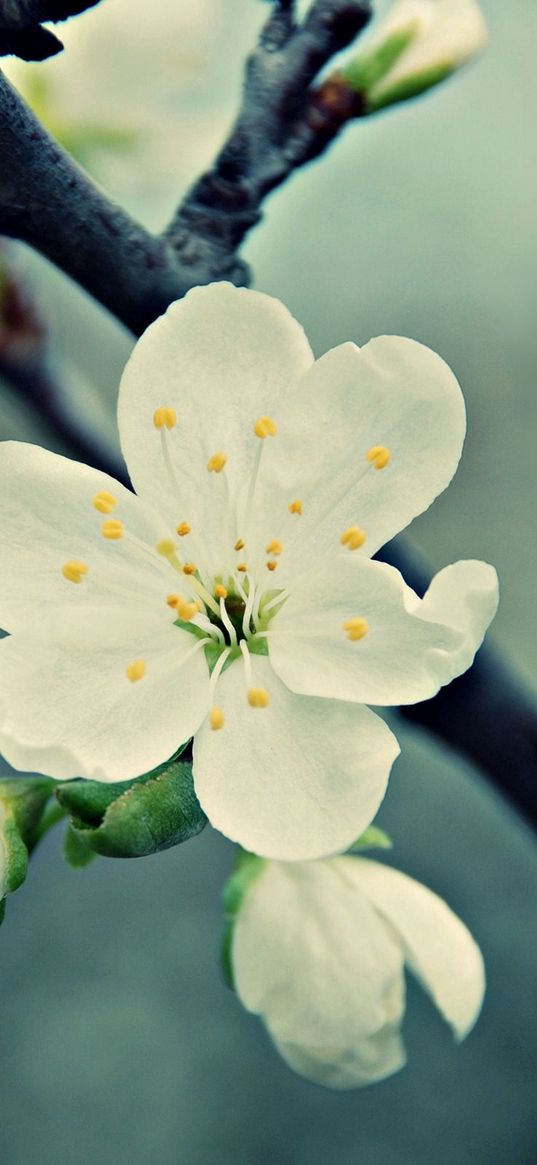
[
  {"x": 247, "y": 868},
  {"x": 372, "y": 838},
  {"x": 133, "y": 819},
  {"x": 367, "y": 70},
  {"x": 22, "y": 803},
  {"x": 412, "y": 86},
  {"x": 76, "y": 850}
]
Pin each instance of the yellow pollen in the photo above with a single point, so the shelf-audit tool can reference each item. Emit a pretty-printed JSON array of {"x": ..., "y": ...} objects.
[
  {"x": 258, "y": 697},
  {"x": 265, "y": 427},
  {"x": 354, "y": 537},
  {"x": 220, "y": 591},
  {"x": 295, "y": 507},
  {"x": 74, "y": 571},
  {"x": 216, "y": 463},
  {"x": 274, "y": 547},
  {"x": 165, "y": 547},
  {"x": 356, "y": 628},
  {"x": 185, "y": 610},
  {"x": 243, "y": 567},
  {"x": 216, "y": 719},
  {"x": 240, "y": 544},
  {"x": 271, "y": 565},
  {"x": 112, "y": 529},
  {"x": 104, "y": 502},
  {"x": 173, "y": 600},
  {"x": 379, "y": 455},
  {"x": 189, "y": 568},
  {"x": 136, "y": 671},
  {"x": 183, "y": 528},
  {"x": 164, "y": 418}
]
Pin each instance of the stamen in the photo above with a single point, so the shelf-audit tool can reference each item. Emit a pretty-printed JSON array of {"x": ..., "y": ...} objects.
[
  {"x": 74, "y": 571},
  {"x": 228, "y": 624},
  {"x": 104, "y": 502},
  {"x": 265, "y": 427},
  {"x": 183, "y": 528},
  {"x": 165, "y": 547},
  {"x": 217, "y": 462},
  {"x": 274, "y": 547},
  {"x": 356, "y": 628},
  {"x": 379, "y": 456},
  {"x": 220, "y": 591},
  {"x": 185, "y": 610},
  {"x": 173, "y": 600},
  {"x": 112, "y": 529},
  {"x": 240, "y": 544},
  {"x": 354, "y": 537},
  {"x": 164, "y": 418},
  {"x": 216, "y": 719},
  {"x": 243, "y": 567},
  {"x": 190, "y": 568},
  {"x": 258, "y": 697},
  {"x": 271, "y": 564},
  {"x": 248, "y": 609},
  {"x": 295, "y": 507},
  {"x": 136, "y": 671}
]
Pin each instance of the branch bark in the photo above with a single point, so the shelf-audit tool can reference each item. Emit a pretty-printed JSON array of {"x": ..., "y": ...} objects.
[{"x": 21, "y": 31}]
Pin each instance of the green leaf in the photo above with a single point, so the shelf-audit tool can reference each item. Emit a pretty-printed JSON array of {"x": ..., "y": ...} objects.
[
  {"x": 24, "y": 799},
  {"x": 76, "y": 850},
  {"x": 367, "y": 70},
  {"x": 133, "y": 819},
  {"x": 372, "y": 838}
]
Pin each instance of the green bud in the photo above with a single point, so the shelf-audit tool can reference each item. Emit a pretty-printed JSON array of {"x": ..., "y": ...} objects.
[
  {"x": 247, "y": 868},
  {"x": 131, "y": 819}
]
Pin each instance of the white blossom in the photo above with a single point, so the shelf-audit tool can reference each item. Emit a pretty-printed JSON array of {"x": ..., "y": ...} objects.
[
  {"x": 235, "y": 598},
  {"x": 319, "y": 951}
]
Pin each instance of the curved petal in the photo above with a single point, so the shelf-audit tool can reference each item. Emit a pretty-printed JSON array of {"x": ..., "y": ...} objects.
[
  {"x": 72, "y": 711},
  {"x": 298, "y": 779},
  {"x": 411, "y": 647},
  {"x": 47, "y": 518},
  {"x": 439, "y": 949},
  {"x": 393, "y": 392},
  {"x": 311, "y": 957},
  {"x": 221, "y": 358}
]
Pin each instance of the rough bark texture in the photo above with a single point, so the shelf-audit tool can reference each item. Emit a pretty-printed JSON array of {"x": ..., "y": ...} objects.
[{"x": 21, "y": 31}]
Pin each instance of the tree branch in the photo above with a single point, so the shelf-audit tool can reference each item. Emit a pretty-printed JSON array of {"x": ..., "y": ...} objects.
[{"x": 21, "y": 31}]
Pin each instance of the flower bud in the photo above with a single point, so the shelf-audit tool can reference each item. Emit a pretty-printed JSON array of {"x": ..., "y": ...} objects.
[
  {"x": 132, "y": 819},
  {"x": 420, "y": 43}
]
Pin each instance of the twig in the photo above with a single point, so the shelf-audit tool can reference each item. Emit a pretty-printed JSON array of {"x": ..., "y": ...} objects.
[{"x": 21, "y": 31}]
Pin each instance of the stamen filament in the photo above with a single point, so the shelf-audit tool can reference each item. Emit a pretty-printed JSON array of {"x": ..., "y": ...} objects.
[
  {"x": 228, "y": 624},
  {"x": 248, "y": 608}
]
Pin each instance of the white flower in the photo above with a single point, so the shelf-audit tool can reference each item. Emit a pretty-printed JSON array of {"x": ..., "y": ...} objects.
[
  {"x": 319, "y": 951},
  {"x": 265, "y": 481},
  {"x": 421, "y": 42}
]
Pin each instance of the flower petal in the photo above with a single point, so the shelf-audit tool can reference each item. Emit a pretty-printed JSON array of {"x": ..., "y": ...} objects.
[
  {"x": 313, "y": 959},
  {"x": 411, "y": 646},
  {"x": 297, "y": 779},
  {"x": 221, "y": 358},
  {"x": 439, "y": 949},
  {"x": 69, "y": 712},
  {"x": 47, "y": 518},
  {"x": 393, "y": 393}
]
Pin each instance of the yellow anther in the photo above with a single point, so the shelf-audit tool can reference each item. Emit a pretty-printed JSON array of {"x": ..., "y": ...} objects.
[
  {"x": 274, "y": 547},
  {"x": 186, "y": 611},
  {"x": 379, "y": 455},
  {"x": 220, "y": 591},
  {"x": 243, "y": 567},
  {"x": 165, "y": 547},
  {"x": 354, "y": 537},
  {"x": 216, "y": 719},
  {"x": 173, "y": 600},
  {"x": 265, "y": 427},
  {"x": 164, "y": 418},
  {"x": 356, "y": 628},
  {"x": 258, "y": 697},
  {"x": 240, "y": 544},
  {"x": 183, "y": 528},
  {"x": 112, "y": 529},
  {"x": 216, "y": 463},
  {"x": 271, "y": 564},
  {"x": 295, "y": 507},
  {"x": 74, "y": 571},
  {"x": 135, "y": 671},
  {"x": 189, "y": 568},
  {"x": 104, "y": 502}
]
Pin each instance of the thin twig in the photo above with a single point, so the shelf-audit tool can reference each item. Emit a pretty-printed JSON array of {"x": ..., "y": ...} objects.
[{"x": 21, "y": 26}]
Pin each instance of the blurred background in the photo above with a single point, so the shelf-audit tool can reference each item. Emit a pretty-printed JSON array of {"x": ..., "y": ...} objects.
[{"x": 119, "y": 1041}]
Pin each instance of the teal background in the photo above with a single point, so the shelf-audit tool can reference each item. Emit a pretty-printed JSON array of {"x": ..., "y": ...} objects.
[{"x": 119, "y": 1042}]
